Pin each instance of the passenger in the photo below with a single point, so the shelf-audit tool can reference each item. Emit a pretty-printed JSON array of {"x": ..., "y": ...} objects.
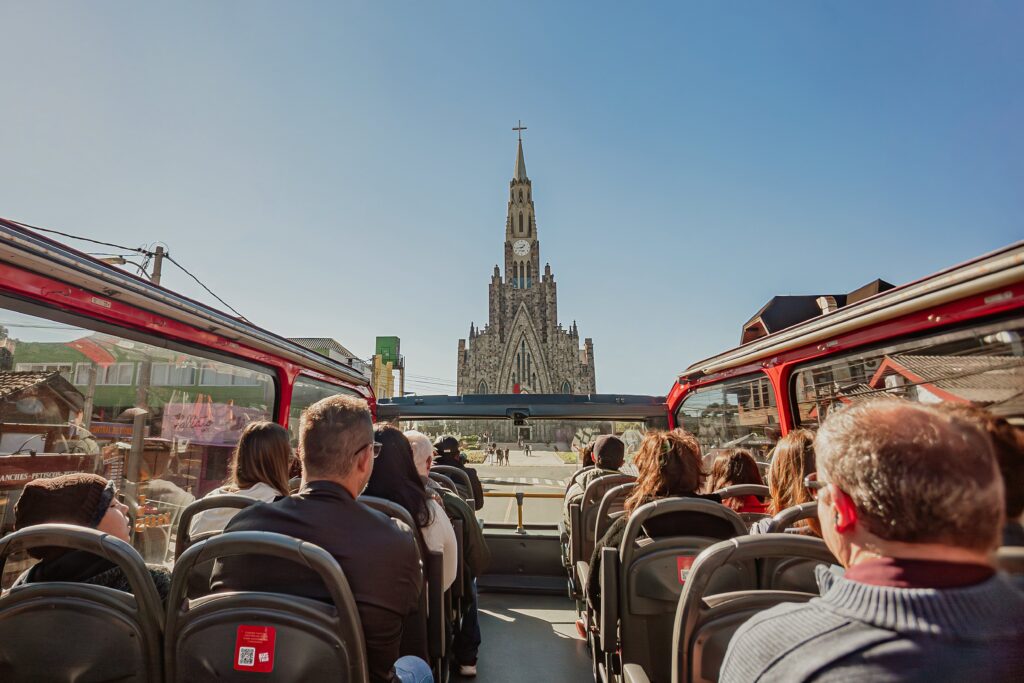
[
  {"x": 378, "y": 555},
  {"x": 395, "y": 478},
  {"x": 1008, "y": 444},
  {"x": 609, "y": 454},
  {"x": 793, "y": 461},
  {"x": 668, "y": 465},
  {"x": 86, "y": 500},
  {"x": 476, "y": 556},
  {"x": 259, "y": 470},
  {"x": 911, "y": 503},
  {"x": 733, "y": 467},
  {"x": 447, "y": 449}
]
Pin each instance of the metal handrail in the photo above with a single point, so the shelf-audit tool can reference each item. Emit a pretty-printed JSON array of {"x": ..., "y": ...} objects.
[{"x": 519, "y": 496}]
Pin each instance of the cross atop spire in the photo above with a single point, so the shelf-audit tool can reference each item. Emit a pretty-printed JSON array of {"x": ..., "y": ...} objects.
[
  {"x": 519, "y": 129},
  {"x": 520, "y": 172}
]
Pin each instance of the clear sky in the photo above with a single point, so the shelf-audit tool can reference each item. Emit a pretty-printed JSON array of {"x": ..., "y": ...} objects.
[{"x": 341, "y": 169}]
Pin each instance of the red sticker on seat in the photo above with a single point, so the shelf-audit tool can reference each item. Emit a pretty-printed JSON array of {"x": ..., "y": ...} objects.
[
  {"x": 683, "y": 564},
  {"x": 254, "y": 648}
]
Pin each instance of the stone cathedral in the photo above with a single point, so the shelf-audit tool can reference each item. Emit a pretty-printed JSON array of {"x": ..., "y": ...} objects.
[{"x": 523, "y": 348}]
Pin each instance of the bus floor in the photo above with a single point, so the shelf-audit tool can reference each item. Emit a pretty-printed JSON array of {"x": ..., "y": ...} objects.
[{"x": 530, "y": 638}]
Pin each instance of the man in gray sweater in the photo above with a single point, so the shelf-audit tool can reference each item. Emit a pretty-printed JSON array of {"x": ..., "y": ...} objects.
[{"x": 910, "y": 501}]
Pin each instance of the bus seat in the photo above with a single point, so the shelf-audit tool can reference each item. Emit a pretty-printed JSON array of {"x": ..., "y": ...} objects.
[
  {"x": 432, "y": 597},
  {"x": 792, "y": 515},
  {"x": 445, "y": 482},
  {"x": 116, "y": 635},
  {"x": 294, "y": 484},
  {"x": 1010, "y": 559},
  {"x": 742, "y": 490},
  {"x": 705, "y": 620},
  {"x": 182, "y": 539},
  {"x": 612, "y": 507},
  {"x": 221, "y": 635},
  {"x": 646, "y": 579},
  {"x": 463, "y": 484},
  {"x": 789, "y": 573},
  {"x": 582, "y": 528},
  {"x": 199, "y": 581}
]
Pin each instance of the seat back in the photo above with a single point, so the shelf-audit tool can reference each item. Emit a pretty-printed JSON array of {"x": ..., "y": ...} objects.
[
  {"x": 1010, "y": 559},
  {"x": 463, "y": 484},
  {"x": 432, "y": 598},
  {"x": 651, "y": 575},
  {"x": 611, "y": 505},
  {"x": 445, "y": 482},
  {"x": 705, "y": 620},
  {"x": 230, "y": 635},
  {"x": 589, "y": 504},
  {"x": 294, "y": 484},
  {"x": 182, "y": 538},
  {"x": 116, "y": 635},
  {"x": 789, "y": 573}
]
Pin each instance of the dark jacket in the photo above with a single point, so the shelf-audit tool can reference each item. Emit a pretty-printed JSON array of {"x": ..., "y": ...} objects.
[
  {"x": 474, "y": 480},
  {"x": 79, "y": 566},
  {"x": 477, "y": 554},
  {"x": 379, "y": 558},
  {"x": 668, "y": 525}
]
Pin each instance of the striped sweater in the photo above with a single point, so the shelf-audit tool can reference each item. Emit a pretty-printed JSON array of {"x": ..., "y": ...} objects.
[{"x": 859, "y": 632}]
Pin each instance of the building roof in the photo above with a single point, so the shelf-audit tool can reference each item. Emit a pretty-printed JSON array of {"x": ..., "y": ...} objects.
[
  {"x": 784, "y": 311},
  {"x": 980, "y": 379},
  {"x": 520, "y": 172},
  {"x": 14, "y": 382},
  {"x": 323, "y": 345}
]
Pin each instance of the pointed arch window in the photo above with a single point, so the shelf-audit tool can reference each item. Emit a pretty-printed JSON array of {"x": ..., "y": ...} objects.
[
  {"x": 520, "y": 222},
  {"x": 566, "y": 387},
  {"x": 482, "y": 387}
]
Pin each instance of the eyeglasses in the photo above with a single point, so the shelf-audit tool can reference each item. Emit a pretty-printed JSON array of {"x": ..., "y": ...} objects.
[
  {"x": 814, "y": 485},
  {"x": 377, "y": 447}
]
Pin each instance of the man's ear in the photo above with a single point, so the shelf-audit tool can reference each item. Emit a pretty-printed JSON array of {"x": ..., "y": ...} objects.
[{"x": 845, "y": 510}]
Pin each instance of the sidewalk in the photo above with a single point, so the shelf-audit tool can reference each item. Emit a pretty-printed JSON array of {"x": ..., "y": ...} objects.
[{"x": 518, "y": 458}]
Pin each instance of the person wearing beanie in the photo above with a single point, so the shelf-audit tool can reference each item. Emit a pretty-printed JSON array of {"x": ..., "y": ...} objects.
[
  {"x": 609, "y": 455},
  {"x": 86, "y": 500},
  {"x": 447, "y": 453}
]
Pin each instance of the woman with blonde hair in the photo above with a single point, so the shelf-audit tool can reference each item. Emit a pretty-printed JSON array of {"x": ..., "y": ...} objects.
[
  {"x": 259, "y": 469},
  {"x": 793, "y": 461}
]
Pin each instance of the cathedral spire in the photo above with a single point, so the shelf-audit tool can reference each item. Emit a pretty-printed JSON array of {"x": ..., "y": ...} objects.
[{"x": 520, "y": 172}]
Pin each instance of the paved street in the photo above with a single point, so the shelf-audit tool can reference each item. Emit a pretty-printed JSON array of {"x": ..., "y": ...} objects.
[{"x": 542, "y": 472}]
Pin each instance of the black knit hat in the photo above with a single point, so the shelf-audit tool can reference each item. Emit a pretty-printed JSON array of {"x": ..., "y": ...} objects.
[
  {"x": 80, "y": 499},
  {"x": 609, "y": 451}
]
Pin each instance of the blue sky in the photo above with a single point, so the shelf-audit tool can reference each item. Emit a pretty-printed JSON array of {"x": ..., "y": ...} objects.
[{"x": 341, "y": 169}]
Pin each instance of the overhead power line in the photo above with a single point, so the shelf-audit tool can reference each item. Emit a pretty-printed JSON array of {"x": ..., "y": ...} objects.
[
  {"x": 210, "y": 291},
  {"x": 137, "y": 250}
]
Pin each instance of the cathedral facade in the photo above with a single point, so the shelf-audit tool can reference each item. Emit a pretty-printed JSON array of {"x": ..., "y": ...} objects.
[{"x": 523, "y": 348}]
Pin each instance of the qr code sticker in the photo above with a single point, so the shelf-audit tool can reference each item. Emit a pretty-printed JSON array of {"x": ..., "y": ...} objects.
[{"x": 246, "y": 656}]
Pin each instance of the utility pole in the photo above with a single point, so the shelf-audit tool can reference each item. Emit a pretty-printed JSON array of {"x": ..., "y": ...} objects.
[{"x": 142, "y": 402}]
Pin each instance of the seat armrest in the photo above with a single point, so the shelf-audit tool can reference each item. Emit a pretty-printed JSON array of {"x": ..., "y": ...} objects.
[
  {"x": 575, "y": 534},
  {"x": 583, "y": 574},
  {"x": 609, "y": 621},
  {"x": 634, "y": 673}
]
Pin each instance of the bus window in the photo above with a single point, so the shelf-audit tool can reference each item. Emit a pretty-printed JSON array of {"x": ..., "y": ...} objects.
[
  {"x": 306, "y": 392},
  {"x": 160, "y": 422},
  {"x": 736, "y": 413},
  {"x": 983, "y": 365}
]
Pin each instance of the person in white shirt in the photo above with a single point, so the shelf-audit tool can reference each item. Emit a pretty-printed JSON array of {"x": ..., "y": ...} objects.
[
  {"x": 395, "y": 477},
  {"x": 259, "y": 469}
]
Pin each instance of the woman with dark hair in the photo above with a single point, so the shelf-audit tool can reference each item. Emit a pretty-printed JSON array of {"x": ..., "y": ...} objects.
[
  {"x": 732, "y": 467},
  {"x": 668, "y": 465},
  {"x": 395, "y": 478},
  {"x": 792, "y": 462},
  {"x": 259, "y": 469}
]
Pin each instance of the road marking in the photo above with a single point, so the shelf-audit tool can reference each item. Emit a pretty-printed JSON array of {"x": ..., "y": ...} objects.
[
  {"x": 508, "y": 511},
  {"x": 513, "y": 481},
  {"x": 537, "y": 481}
]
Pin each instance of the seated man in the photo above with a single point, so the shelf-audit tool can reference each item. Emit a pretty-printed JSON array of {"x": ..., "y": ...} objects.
[
  {"x": 910, "y": 501},
  {"x": 379, "y": 558},
  {"x": 609, "y": 455},
  {"x": 448, "y": 454}
]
